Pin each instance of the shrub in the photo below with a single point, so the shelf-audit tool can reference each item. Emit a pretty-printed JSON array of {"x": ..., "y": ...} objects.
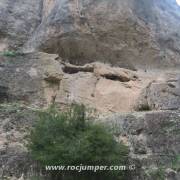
[
  {"x": 71, "y": 138},
  {"x": 8, "y": 53},
  {"x": 176, "y": 163},
  {"x": 158, "y": 174}
]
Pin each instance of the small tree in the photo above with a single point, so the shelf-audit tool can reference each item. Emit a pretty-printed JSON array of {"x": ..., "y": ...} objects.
[{"x": 72, "y": 138}]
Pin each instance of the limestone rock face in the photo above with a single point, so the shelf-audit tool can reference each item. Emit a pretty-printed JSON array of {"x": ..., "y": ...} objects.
[
  {"x": 15, "y": 123},
  {"x": 30, "y": 78},
  {"x": 100, "y": 86},
  {"x": 131, "y": 33},
  {"x": 118, "y": 57},
  {"x": 18, "y": 20},
  {"x": 41, "y": 79},
  {"x": 112, "y": 89},
  {"x": 153, "y": 140},
  {"x": 162, "y": 93}
]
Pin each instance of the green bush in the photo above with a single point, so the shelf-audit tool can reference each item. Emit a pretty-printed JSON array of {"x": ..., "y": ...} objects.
[
  {"x": 176, "y": 163},
  {"x": 72, "y": 138},
  {"x": 8, "y": 53},
  {"x": 158, "y": 174}
]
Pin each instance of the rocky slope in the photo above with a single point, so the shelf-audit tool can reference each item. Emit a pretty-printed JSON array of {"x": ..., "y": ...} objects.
[{"x": 119, "y": 58}]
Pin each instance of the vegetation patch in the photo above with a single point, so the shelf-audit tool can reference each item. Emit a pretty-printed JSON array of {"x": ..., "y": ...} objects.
[
  {"x": 176, "y": 163},
  {"x": 72, "y": 138},
  {"x": 158, "y": 174},
  {"x": 10, "y": 53}
]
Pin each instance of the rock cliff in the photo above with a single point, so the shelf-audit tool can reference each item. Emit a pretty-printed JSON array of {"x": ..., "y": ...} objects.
[
  {"x": 120, "y": 58},
  {"x": 131, "y": 33}
]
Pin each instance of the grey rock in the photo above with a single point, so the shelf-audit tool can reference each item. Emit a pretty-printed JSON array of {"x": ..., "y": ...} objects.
[
  {"x": 131, "y": 34},
  {"x": 171, "y": 174},
  {"x": 18, "y": 21},
  {"x": 15, "y": 122},
  {"x": 26, "y": 78},
  {"x": 153, "y": 139},
  {"x": 161, "y": 95}
]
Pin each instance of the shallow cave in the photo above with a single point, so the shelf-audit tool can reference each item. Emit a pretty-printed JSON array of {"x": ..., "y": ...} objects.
[
  {"x": 76, "y": 69},
  {"x": 3, "y": 94},
  {"x": 114, "y": 77}
]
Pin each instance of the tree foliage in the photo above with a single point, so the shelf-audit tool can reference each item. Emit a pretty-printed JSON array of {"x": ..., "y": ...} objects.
[{"x": 72, "y": 138}]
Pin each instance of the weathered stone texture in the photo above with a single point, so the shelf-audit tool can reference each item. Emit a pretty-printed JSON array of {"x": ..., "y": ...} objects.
[{"x": 153, "y": 138}]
